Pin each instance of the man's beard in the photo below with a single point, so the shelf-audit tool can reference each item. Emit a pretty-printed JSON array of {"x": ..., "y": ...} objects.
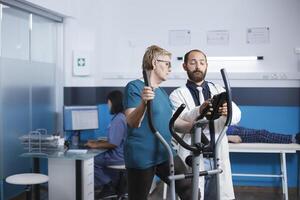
[{"x": 196, "y": 75}]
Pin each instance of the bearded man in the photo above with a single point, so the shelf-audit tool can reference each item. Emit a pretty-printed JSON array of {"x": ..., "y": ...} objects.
[{"x": 196, "y": 95}]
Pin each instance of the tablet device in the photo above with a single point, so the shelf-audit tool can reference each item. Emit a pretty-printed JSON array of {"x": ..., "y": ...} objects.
[{"x": 217, "y": 101}]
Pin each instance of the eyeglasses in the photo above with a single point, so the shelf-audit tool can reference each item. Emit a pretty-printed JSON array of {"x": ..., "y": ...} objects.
[{"x": 168, "y": 63}]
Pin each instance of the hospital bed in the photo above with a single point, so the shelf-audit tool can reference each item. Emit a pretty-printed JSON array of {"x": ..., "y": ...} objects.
[{"x": 281, "y": 149}]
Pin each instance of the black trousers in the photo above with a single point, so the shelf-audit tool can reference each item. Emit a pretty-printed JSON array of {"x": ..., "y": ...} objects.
[{"x": 140, "y": 180}]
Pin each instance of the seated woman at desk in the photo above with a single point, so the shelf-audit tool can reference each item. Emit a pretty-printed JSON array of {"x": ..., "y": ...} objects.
[
  {"x": 117, "y": 131},
  {"x": 238, "y": 134}
]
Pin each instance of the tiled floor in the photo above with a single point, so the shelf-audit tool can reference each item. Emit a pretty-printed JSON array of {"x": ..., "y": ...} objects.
[{"x": 242, "y": 193}]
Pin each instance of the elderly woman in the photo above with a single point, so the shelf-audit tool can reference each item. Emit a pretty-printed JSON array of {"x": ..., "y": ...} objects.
[{"x": 144, "y": 155}]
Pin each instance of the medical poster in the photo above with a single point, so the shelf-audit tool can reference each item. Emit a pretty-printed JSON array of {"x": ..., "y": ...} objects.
[
  {"x": 259, "y": 35},
  {"x": 217, "y": 37},
  {"x": 179, "y": 37}
]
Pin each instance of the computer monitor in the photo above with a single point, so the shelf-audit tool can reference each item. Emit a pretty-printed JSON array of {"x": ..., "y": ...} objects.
[{"x": 77, "y": 118}]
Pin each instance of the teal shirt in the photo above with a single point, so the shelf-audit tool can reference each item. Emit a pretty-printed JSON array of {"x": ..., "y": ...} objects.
[{"x": 142, "y": 148}]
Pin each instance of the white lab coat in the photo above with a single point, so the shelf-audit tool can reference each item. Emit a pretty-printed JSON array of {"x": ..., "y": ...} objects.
[{"x": 183, "y": 95}]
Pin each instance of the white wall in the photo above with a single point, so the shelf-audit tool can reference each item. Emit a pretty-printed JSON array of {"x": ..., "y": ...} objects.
[{"x": 117, "y": 32}]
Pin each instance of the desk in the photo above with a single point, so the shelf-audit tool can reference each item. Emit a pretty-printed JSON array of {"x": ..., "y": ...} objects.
[
  {"x": 281, "y": 149},
  {"x": 71, "y": 175}
]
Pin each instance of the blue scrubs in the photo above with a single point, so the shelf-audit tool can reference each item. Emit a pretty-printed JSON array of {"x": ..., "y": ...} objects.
[
  {"x": 117, "y": 131},
  {"x": 142, "y": 148}
]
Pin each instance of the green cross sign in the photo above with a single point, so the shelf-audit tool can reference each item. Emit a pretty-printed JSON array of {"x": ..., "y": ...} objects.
[{"x": 80, "y": 62}]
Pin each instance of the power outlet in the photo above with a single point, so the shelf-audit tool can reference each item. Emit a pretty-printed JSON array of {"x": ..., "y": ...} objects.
[
  {"x": 265, "y": 77},
  {"x": 274, "y": 76},
  {"x": 297, "y": 50}
]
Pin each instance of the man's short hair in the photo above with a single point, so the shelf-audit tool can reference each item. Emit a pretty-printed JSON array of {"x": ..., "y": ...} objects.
[
  {"x": 186, "y": 56},
  {"x": 152, "y": 53}
]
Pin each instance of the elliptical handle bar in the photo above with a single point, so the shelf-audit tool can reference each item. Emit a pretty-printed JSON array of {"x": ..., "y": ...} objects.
[
  {"x": 178, "y": 112},
  {"x": 228, "y": 97},
  {"x": 150, "y": 121},
  {"x": 223, "y": 132},
  {"x": 172, "y": 130},
  {"x": 162, "y": 140}
]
